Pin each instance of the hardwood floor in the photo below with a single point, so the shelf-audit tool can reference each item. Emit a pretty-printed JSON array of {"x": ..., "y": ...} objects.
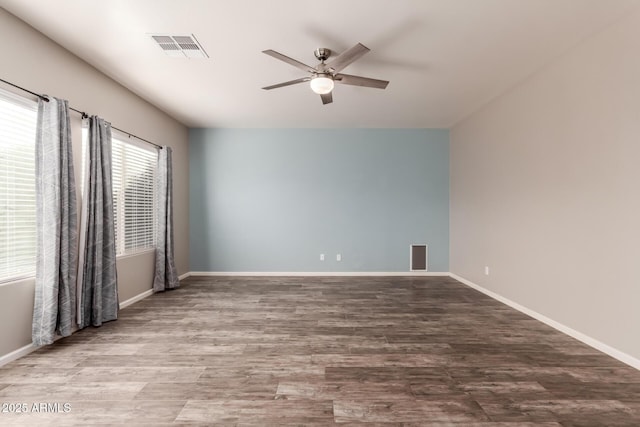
[{"x": 319, "y": 351}]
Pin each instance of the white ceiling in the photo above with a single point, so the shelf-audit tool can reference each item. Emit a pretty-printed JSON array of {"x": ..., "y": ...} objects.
[{"x": 444, "y": 58}]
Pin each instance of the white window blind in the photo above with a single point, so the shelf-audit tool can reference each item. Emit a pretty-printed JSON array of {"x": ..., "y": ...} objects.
[
  {"x": 134, "y": 171},
  {"x": 18, "y": 121}
]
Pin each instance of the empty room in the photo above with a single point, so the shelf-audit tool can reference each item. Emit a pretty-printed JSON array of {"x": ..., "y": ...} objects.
[{"x": 377, "y": 212}]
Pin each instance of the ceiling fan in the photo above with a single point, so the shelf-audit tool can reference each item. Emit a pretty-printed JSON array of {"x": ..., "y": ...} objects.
[{"x": 323, "y": 76}]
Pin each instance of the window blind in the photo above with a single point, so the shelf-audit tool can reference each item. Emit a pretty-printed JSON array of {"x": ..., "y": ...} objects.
[
  {"x": 134, "y": 170},
  {"x": 18, "y": 122}
]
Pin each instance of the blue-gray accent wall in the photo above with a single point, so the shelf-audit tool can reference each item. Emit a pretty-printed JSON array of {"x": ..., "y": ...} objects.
[{"x": 268, "y": 200}]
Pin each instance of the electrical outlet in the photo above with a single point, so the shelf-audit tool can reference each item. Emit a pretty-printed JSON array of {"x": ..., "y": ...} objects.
[
  {"x": 338, "y": 257},
  {"x": 321, "y": 257},
  {"x": 486, "y": 271}
]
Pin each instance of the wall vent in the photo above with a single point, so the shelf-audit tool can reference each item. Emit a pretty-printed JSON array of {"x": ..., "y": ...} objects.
[
  {"x": 418, "y": 257},
  {"x": 180, "y": 46}
]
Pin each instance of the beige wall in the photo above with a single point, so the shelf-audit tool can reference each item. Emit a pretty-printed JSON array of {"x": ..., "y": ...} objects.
[
  {"x": 545, "y": 190},
  {"x": 35, "y": 62}
]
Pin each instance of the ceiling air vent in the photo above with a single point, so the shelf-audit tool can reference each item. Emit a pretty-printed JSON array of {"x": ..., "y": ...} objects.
[{"x": 180, "y": 46}]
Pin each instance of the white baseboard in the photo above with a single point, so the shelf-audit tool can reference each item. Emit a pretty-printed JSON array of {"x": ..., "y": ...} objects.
[
  {"x": 592, "y": 342},
  {"x": 135, "y": 299},
  {"x": 145, "y": 294},
  {"x": 29, "y": 348},
  {"x": 318, "y": 273},
  {"x": 17, "y": 354}
]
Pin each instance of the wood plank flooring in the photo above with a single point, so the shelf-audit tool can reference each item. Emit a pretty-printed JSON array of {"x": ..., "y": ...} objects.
[{"x": 321, "y": 351}]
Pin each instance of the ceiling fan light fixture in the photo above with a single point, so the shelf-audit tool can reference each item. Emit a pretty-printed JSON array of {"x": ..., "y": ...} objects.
[{"x": 322, "y": 84}]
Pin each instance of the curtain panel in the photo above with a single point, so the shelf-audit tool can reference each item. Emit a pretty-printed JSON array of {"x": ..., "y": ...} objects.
[
  {"x": 97, "y": 278},
  {"x": 56, "y": 224},
  {"x": 166, "y": 276}
]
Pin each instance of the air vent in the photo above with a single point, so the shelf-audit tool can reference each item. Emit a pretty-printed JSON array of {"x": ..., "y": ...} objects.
[
  {"x": 180, "y": 46},
  {"x": 418, "y": 258}
]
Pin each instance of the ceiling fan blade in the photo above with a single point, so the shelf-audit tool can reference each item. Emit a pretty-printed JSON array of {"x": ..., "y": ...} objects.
[
  {"x": 347, "y": 79},
  {"x": 291, "y": 61},
  {"x": 327, "y": 98},
  {"x": 289, "y": 83},
  {"x": 347, "y": 57}
]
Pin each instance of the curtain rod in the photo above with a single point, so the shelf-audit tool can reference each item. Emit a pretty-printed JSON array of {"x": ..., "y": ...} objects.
[{"x": 84, "y": 115}]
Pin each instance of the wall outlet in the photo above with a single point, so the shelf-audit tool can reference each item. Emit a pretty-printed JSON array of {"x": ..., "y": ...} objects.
[
  {"x": 321, "y": 257},
  {"x": 338, "y": 257},
  {"x": 486, "y": 271}
]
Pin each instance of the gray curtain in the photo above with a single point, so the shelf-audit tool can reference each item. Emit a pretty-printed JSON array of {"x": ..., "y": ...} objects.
[
  {"x": 166, "y": 276},
  {"x": 97, "y": 278},
  {"x": 56, "y": 224}
]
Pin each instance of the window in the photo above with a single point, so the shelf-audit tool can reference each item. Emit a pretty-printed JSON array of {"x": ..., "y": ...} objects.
[
  {"x": 134, "y": 170},
  {"x": 18, "y": 121}
]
